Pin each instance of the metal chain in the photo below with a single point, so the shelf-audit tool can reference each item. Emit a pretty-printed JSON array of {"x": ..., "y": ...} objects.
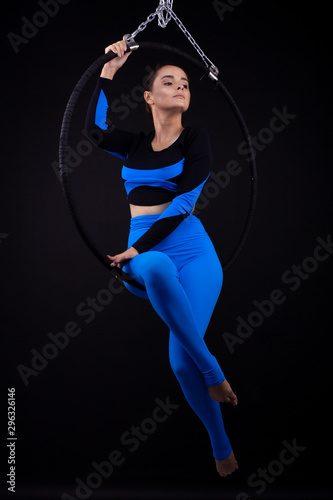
[
  {"x": 163, "y": 21},
  {"x": 213, "y": 69},
  {"x": 142, "y": 26},
  {"x": 165, "y": 7}
]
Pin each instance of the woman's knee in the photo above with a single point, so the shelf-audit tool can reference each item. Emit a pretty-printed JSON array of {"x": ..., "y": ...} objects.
[
  {"x": 181, "y": 367},
  {"x": 180, "y": 361}
]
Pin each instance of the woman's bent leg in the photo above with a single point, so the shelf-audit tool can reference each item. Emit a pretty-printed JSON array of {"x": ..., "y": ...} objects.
[
  {"x": 202, "y": 281},
  {"x": 161, "y": 278},
  {"x": 197, "y": 396}
]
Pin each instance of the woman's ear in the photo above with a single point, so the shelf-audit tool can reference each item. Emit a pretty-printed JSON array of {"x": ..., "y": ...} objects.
[{"x": 147, "y": 97}]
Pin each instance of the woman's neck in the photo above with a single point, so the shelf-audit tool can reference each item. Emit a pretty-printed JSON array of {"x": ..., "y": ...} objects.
[{"x": 167, "y": 129}]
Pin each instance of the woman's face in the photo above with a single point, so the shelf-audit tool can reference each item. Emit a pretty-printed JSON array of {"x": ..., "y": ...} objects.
[{"x": 170, "y": 90}]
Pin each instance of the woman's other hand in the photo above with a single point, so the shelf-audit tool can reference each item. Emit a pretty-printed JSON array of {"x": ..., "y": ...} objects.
[
  {"x": 121, "y": 259},
  {"x": 111, "y": 67}
]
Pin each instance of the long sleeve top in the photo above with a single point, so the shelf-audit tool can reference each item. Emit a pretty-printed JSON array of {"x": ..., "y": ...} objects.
[{"x": 176, "y": 174}]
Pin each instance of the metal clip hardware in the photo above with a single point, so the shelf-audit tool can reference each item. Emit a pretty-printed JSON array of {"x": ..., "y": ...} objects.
[
  {"x": 214, "y": 73},
  {"x": 130, "y": 42}
]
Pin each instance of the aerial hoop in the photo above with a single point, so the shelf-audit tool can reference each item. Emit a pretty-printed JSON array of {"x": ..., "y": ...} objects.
[{"x": 63, "y": 144}]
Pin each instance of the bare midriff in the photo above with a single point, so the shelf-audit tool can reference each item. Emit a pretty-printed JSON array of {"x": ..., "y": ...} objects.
[{"x": 137, "y": 210}]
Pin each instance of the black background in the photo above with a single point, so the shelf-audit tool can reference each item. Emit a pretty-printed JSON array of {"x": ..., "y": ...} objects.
[{"x": 271, "y": 55}]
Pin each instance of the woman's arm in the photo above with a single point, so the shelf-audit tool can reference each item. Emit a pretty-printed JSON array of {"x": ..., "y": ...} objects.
[
  {"x": 98, "y": 123},
  {"x": 197, "y": 165}
]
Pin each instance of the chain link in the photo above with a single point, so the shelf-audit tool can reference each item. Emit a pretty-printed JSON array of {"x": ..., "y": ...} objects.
[
  {"x": 143, "y": 25},
  {"x": 163, "y": 21},
  {"x": 165, "y": 7}
]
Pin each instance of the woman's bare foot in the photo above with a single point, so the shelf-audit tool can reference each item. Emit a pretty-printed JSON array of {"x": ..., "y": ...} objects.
[
  {"x": 223, "y": 393},
  {"x": 227, "y": 466}
]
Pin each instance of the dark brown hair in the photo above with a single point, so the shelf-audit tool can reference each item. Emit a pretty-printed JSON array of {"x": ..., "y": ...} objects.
[{"x": 150, "y": 83}]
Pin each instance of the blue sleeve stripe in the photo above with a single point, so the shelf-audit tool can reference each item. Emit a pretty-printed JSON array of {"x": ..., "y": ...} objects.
[
  {"x": 115, "y": 154},
  {"x": 101, "y": 111}
]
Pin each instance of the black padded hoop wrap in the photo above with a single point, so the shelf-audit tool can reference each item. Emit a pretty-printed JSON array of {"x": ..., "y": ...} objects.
[{"x": 64, "y": 171}]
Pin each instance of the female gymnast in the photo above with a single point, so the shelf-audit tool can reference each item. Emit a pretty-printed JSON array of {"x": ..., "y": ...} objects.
[{"x": 169, "y": 251}]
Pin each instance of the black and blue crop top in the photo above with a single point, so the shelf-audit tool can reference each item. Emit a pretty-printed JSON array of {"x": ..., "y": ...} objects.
[{"x": 176, "y": 174}]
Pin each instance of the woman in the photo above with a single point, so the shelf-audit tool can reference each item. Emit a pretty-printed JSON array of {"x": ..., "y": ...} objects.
[{"x": 169, "y": 251}]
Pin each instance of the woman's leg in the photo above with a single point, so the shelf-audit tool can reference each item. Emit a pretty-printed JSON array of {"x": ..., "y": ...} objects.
[
  {"x": 169, "y": 299},
  {"x": 201, "y": 279}
]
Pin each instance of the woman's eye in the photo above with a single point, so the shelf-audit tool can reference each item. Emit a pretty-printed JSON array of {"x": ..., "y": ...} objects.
[{"x": 171, "y": 83}]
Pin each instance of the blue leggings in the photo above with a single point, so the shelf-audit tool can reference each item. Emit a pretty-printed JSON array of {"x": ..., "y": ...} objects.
[{"x": 183, "y": 279}]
